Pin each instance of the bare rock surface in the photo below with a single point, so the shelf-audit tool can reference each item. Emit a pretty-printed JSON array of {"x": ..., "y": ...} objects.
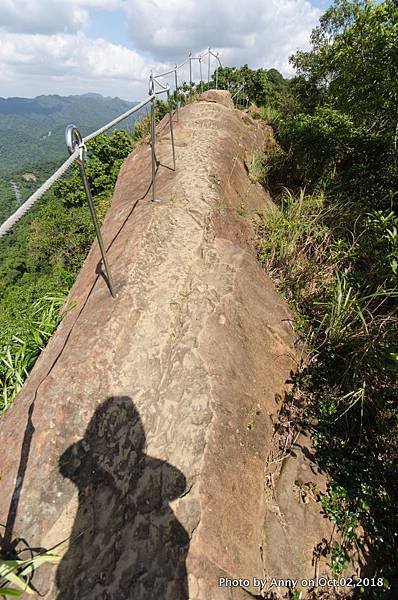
[
  {"x": 142, "y": 433},
  {"x": 220, "y": 96}
]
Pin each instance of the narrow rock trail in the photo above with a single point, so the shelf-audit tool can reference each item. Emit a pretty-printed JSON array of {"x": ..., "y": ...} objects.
[{"x": 142, "y": 434}]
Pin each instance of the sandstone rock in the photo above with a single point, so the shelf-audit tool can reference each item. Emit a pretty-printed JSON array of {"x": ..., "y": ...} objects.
[
  {"x": 220, "y": 96},
  {"x": 131, "y": 437}
]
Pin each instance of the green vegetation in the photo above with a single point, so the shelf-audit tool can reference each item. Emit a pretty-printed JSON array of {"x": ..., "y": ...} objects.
[
  {"x": 18, "y": 355},
  {"x": 332, "y": 248},
  {"x": 260, "y": 86},
  {"x": 256, "y": 168},
  {"x": 18, "y": 573},
  {"x": 26, "y": 181},
  {"x": 32, "y": 130}
]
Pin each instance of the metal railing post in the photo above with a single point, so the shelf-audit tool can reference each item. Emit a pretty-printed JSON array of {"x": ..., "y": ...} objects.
[
  {"x": 176, "y": 85},
  {"x": 74, "y": 139},
  {"x": 153, "y": 136},
  {"x": 171, "y": 129},
  {"x": 190, "y": 73}
]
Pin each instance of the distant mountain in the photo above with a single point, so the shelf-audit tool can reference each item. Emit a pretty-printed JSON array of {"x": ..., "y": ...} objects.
[{"x": 32, "y": 129}]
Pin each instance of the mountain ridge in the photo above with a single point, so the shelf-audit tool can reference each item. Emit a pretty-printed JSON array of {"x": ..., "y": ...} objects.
[{"x": 8, "y": 104}]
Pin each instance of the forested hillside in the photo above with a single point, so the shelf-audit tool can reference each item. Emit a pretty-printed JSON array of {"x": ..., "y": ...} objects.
[
  {"x": 17, "y": 186},
  {"x": 32, "y": 130}
]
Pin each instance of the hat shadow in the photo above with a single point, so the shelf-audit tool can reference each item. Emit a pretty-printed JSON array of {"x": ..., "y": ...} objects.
[{"x": 126, "y": 542}]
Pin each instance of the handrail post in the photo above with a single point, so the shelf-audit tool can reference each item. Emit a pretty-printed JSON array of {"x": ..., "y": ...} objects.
[
  {"x": 153, "y": 135},
  {"x": 176, "y": 86},
  {"x": 190, "y": 73},
  {"x": 171, "y": 129},
  {"x": 73, "y": 140}
]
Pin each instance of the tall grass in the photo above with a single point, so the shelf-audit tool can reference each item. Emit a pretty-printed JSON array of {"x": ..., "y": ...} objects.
[
  {"x": 338, "y": 273},
  {"x": 256, "y": 168},
  {"x": 268, "y": 113},
  {"x": 18, "y": 356},
  {"x": 291, "y": 240},
  {"x": 18, "y": 573},
  {"x": 301, "y": 244}
]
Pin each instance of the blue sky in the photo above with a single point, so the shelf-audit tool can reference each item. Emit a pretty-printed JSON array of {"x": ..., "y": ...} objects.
[
  {"x": 112, "y": 26},
  {"x": 110, "y": 46},
  {"x": 322, "y": 4}
]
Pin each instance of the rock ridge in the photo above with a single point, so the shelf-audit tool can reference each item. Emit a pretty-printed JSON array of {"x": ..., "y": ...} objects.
[{"x": 149, "y": 416}]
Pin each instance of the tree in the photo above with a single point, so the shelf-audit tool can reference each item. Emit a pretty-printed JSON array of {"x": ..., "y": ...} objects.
[
  {"x": 260, "y": 86},
  {"x": 351, "y": 70},
  {"x": 354, "y": 61}
]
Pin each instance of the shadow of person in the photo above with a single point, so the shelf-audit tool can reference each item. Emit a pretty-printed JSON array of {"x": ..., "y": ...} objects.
[{"x": 126, "y": 542}]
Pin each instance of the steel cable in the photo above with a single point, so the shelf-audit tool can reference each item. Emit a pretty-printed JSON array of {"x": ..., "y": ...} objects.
[
  {"x": 118, "y": 119},
  {"x": 27, "y": 205}
]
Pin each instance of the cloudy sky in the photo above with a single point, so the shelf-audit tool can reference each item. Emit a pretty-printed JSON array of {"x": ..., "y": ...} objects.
[{"x": 110, "y": 46}]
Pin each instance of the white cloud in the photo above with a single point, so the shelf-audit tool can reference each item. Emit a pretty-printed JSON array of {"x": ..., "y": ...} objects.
[
  {"x": 70, "y": 62},
  {"x": 261, "y": 33},
  {"x": 49, "y": 16},
  {"x": 44, "y": 46}
]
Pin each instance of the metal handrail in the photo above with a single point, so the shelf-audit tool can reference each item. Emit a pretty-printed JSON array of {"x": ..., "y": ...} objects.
[
  {"x": 163, "y": 86},
  {"x": 125, "y": 115},
  {"x": 172, "y": 70},
  {"x": 75, "y": 143},
  {"x": 76, "y": 147},
  {"x": 185, "y": 62},
  {"x": 238, "y": 90},
  {"x": 31, "y": 201}
]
